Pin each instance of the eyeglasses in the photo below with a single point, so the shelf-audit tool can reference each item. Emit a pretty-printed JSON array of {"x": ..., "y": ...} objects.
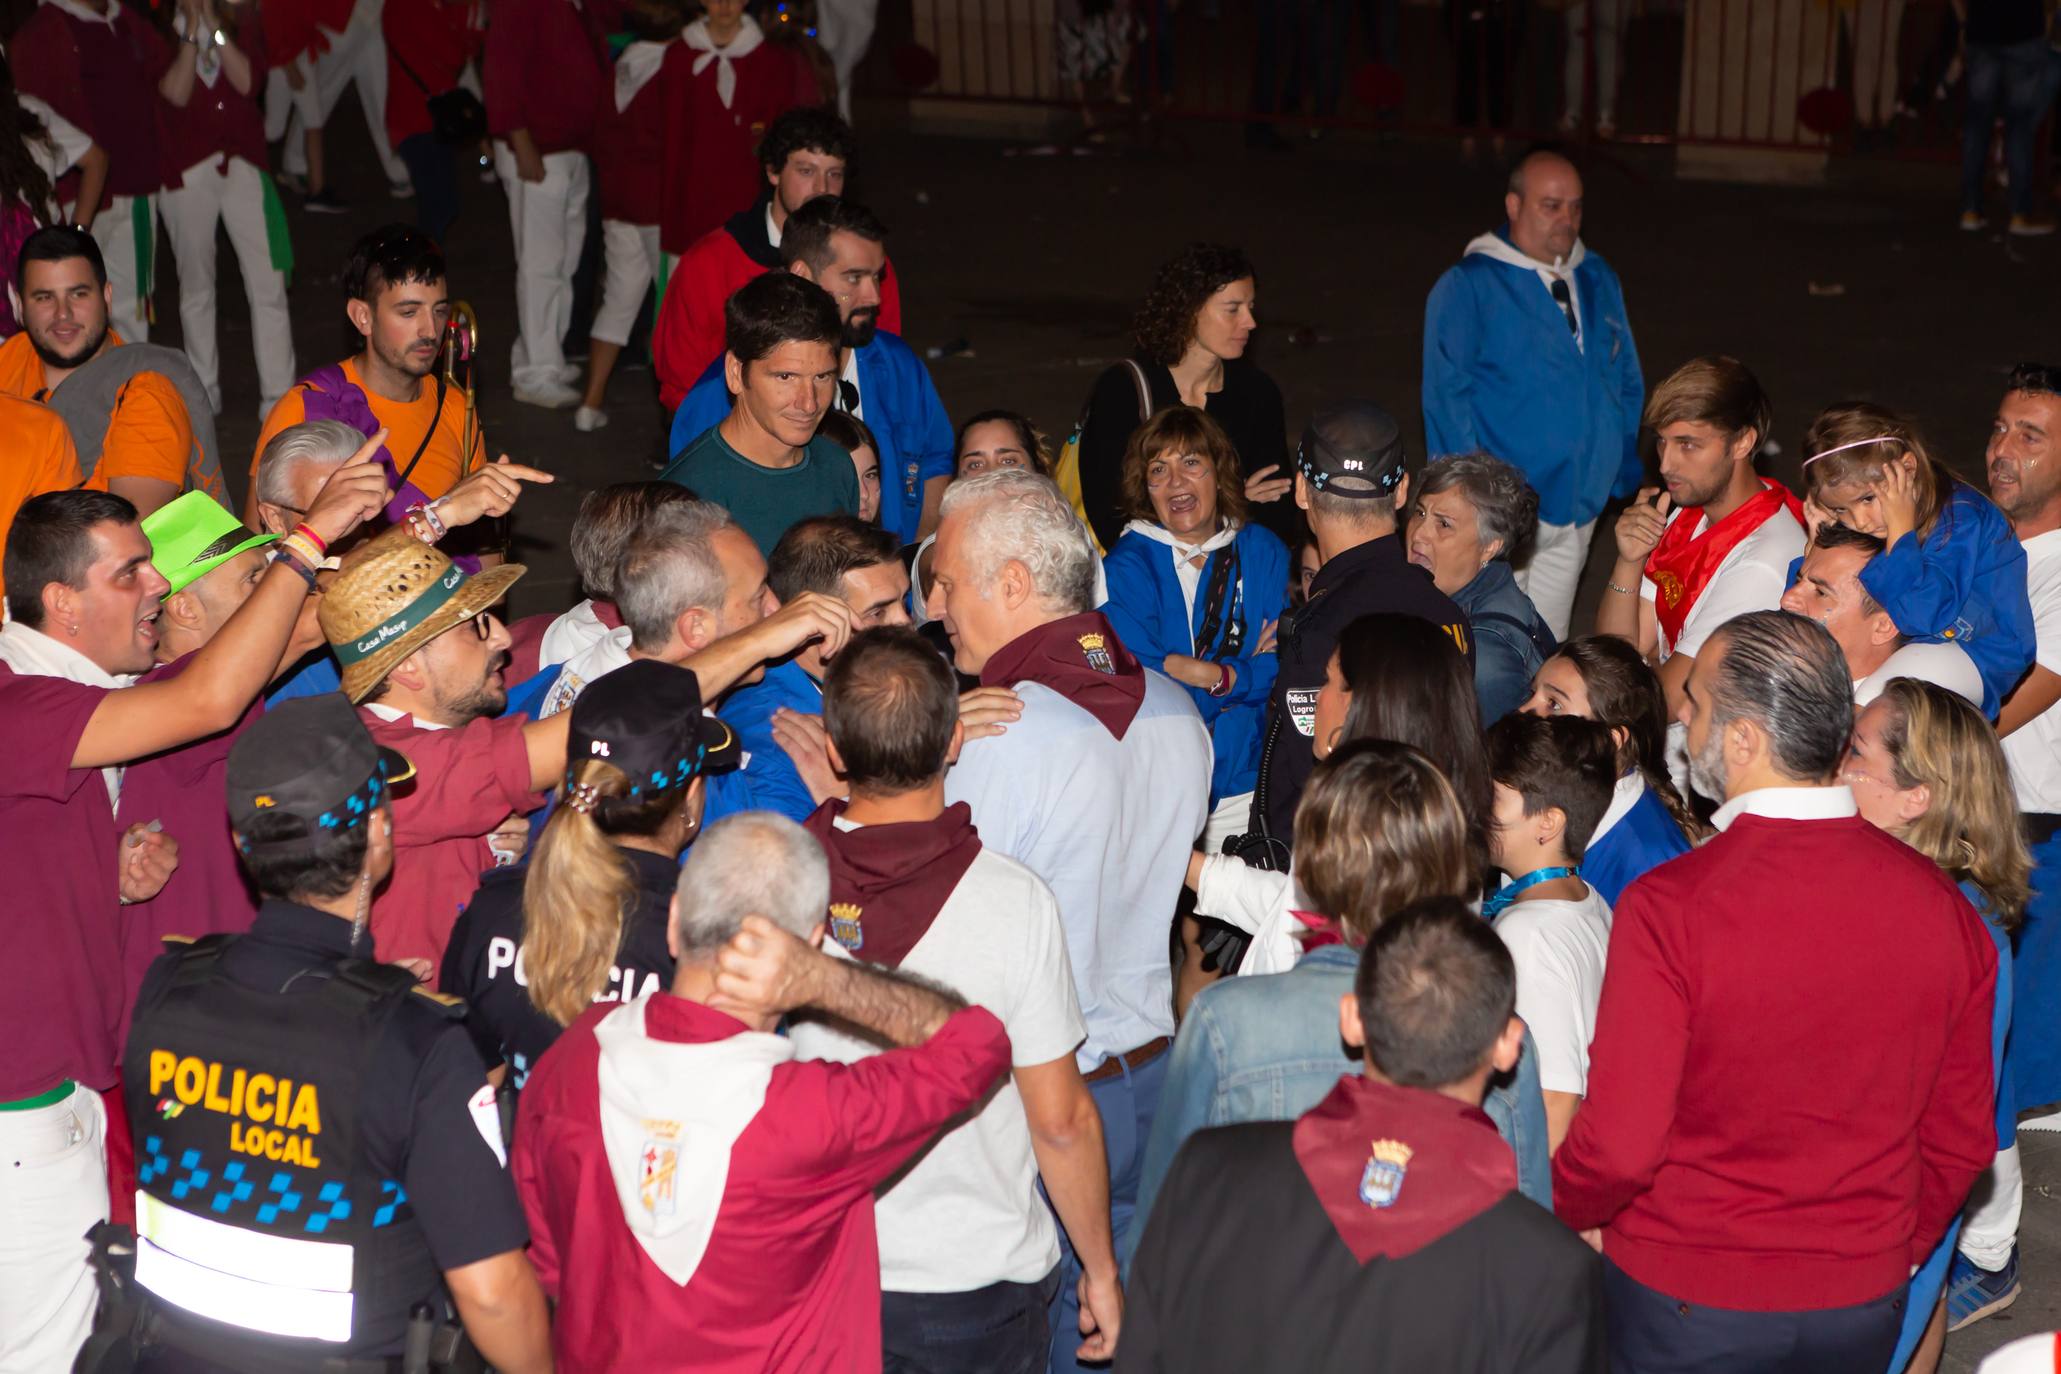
[{"x": 483, "y": 625}]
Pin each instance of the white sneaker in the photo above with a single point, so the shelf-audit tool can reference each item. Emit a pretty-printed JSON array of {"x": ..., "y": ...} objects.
[
  {"x": 587, "y": 419},
  {"x": 549, "y": 395},
  {"x": 568, "y": 374}
]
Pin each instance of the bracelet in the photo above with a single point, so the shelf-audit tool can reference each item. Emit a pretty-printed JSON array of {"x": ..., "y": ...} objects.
[
  {"x": 1223, "y": 687},
  {"x": 1621, "y": 591},
  {"x": 430, "y": 520},
  {"x": 321, "y": 544},
  {"x": 292, "y": 560}
]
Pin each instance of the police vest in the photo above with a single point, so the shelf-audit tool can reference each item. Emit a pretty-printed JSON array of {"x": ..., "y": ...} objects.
[{"x": 256, "y": 1207}]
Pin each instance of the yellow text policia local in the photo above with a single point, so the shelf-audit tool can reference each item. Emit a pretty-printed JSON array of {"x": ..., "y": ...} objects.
[{"x": 277, "y": 1115}]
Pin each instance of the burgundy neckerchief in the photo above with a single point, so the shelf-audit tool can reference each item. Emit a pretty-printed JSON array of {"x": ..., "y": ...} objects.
[
  {"x": 606, "y": 613},
  {"x": 1397, "y": 1168},
  {"x": 888, "y": 882},
  {"x": 1080, "y": 658}
]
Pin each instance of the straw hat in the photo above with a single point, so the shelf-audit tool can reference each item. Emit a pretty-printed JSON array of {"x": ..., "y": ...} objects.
[{"x": 394, "y": 596}]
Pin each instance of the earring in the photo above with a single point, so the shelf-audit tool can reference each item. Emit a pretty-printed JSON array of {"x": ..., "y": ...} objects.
[{"x": 72, "y": 629}]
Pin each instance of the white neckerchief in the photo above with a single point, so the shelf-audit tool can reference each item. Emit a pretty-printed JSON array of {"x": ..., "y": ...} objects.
[
  {"x": 1789, "y": 804},
  {"x": 1623, "y": 797},
  {"x": 207, "y": 56},
  {"x": 1495, "y": 246},
  {"x": 35, "y": 654},
  {"x": 671, "y": 1112},
  {"x": 390, "y": 714},
  {"x": 749, "y": 36},
  {"x": 1185, "y": 572},
  {"x": 851, "y": 375},
  {"x": 772, "y": 229},
  {"x": 79, "y": 11},
  {"x": 635, "y": 68}
]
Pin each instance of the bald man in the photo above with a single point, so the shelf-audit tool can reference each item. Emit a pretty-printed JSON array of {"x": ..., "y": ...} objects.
[{"x": 1528, "y": 355}]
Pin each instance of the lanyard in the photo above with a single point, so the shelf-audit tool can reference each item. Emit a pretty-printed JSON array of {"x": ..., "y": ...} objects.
[{"x": 1508, "y": 892}]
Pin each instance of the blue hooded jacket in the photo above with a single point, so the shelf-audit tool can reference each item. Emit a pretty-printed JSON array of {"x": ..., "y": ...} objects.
[
  {"x": 900, "y": 405},
  {"x": 1147, "y": 611},
  {"x": 766, "y": 780},
  {"x": 1504, "y": 375}
]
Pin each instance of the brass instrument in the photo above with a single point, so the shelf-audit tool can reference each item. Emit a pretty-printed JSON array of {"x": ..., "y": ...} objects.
[{"x": 461, "y": 363}]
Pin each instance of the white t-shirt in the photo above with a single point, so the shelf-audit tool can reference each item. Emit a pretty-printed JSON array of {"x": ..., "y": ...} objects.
[
  {"x": 1559, "y": 948},
  {"x": 1943, "y": 665},
  {"x": 968, "y": 1213},
  {"x": 1109, "y": 824},
  {"x": 2034, "y": 748},
  {"x": 574, "y": 632},
  {"x": 1752, "y": 577}
]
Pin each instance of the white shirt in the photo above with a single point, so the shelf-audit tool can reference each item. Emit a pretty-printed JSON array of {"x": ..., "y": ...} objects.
[
  {"x": 1623, "y": 797},
  {"x": 1752, "y": 577},
  {"x": 1109, "y": 824},
  {"x": 1559, "y": 948},
  {"x": 61, "y": 151},
  {"x": 572, "y": 633},
  {"x": 2034, "y": 748},
  {"x": 390, "y": 714},
  {"x": 968, "y": 1214},
  {"x": 1788, "y": 804},
  {"x": 1943, "y": 665},
  {"x": 850, "y": 377}
]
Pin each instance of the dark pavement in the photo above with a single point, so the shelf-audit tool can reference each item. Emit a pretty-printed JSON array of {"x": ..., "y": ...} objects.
[{"x": 1864, "y": 288}]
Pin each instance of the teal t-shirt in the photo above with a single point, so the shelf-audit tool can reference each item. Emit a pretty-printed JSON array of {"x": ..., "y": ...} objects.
[{"x": 765, "y": 501}]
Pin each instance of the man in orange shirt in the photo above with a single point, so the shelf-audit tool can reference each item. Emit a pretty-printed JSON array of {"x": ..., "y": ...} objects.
[
  {"x": 396, "y": 298},
  {"x": 148, "y": 452},
  {"x": 39, "y": 458}
]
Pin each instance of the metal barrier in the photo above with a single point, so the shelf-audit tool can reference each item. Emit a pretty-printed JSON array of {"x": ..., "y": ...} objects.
[{"x": 1779, "y": 74}]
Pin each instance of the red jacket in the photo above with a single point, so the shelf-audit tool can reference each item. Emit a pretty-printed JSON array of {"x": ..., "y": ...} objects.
[
  {"x": 710, "y": 168},
  {"x": 542, "y": 73},
  {"x": 791, "y": 1277},
  {"x": 688, "y": 334},
  {"x": 434, "y": 39},
  {"x": 628, "y": 143},
  {"x": 103, "y": 78},
  {"x": 219, "y": 120},
  {"x": 1790, "y": 1090}
]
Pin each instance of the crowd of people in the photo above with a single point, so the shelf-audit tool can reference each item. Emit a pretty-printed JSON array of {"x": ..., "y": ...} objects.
[{"x": 937, "y": 903}]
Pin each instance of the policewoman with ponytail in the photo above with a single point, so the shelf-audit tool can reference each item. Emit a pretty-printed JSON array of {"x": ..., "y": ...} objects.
[
  {"x": 584, "y": 920},
  {"x": 318, "y": 1158}
]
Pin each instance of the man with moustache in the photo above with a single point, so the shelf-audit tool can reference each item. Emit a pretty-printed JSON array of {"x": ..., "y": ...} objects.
[{"x": 841, "y": 246}]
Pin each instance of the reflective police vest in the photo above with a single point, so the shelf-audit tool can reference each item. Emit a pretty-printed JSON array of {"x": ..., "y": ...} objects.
[{"x": 255, "y": 1205}]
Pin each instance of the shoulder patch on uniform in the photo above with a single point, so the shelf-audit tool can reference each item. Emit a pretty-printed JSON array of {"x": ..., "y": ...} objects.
[{"x": 176, "y": 939}]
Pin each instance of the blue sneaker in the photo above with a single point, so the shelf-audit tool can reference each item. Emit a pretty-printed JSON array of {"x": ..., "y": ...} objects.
[{"x": 1974, "y": 1292}]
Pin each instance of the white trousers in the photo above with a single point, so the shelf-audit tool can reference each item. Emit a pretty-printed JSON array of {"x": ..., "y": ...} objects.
[
  {"x": 1609, "y": 16},
  {"x": 549, "y": 223},
  {"x": 284, "y": 104},
  {"x": 114, "y": 229},
  {"x": 1989, "y": 1227},
  {"x": 236, "y": 199},
  {"x": 630, "y": 259},
  {"x": 845, "y": 28},
  {"x": 356, "y": 57},
  {"x": 53, "y": 1189},
  {"x": 1554, "y": 574}
]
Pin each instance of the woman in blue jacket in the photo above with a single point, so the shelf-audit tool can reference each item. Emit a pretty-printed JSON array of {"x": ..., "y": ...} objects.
[
  {"x": 1604, "y": 679},
  {"x": 1194, "y": 591}
]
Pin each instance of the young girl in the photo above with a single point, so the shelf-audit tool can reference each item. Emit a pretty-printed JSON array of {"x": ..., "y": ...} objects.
[
  {"x": 849, "y": 433},
  {"x": 214, "y": 140},
  {"x": 1954, "y": 572},
  {"x": 1604, "y": 679},
  {"x": 1553, "y": 781}
]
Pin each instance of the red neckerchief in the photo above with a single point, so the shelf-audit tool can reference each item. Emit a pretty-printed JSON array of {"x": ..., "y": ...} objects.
[
  {"x": 1683, "y": 562},
  {"x": 1397, "y": 1168},
  {"x": 1318, "y": 930},
  {"x": 888, "y": 882},
  {"x": 1080, "y": 658}
]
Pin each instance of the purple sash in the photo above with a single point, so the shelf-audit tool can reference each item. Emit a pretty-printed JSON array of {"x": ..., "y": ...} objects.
[{"x": 328, "y": 394}]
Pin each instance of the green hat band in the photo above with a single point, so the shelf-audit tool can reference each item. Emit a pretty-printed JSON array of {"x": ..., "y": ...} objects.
[{"x": 415, "y": 613}]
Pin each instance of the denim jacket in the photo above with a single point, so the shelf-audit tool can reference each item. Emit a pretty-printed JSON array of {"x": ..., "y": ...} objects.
[
  {"x": 1266, "y": 1049},
  {"x": 1511, "y": 639}
]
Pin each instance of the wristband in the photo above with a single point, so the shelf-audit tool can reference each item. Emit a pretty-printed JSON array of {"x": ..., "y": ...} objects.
[
  {"x": 321, "y": 544},
  {"x": 303, "y": 550},
  {"x": 430, "y": 520},
  {"x": 1223, "y": 687},
  {"x": 292, "y": 560}
]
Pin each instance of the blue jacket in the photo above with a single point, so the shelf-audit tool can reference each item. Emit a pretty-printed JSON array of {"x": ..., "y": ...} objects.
[
  {"x": 767, "y": 780},
  {"x": 901, "y": 408},
  {"x": 1511, "y": 640},
  {"x": 1146, "y": 610},
  {"x": 1963, "y": 584},
  {"x": 1503, "y": 375},
  {"x": 1265, "y": 1048},
  {"x": 1643, "y": 838}
]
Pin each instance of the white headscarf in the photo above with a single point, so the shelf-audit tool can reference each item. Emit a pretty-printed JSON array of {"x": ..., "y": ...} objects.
[{"x": 749, "y": 36}]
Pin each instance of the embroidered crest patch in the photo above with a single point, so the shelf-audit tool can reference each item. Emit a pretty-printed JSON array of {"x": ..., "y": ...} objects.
[{"x": 1382, "y": 1180}]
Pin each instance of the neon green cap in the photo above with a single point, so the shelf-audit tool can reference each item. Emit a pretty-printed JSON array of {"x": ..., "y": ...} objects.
[{"x": 192, "y": 535}]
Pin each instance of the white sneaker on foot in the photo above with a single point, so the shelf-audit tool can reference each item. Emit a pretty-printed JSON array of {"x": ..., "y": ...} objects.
[
  {"x": 549, "y": 395},
  {"x": 587, "y": 419},
  {"x": 568, "y": 374}
]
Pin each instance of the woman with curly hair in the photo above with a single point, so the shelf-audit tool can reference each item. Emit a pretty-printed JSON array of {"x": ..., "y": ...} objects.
[{"x": 1191, "y": 334}]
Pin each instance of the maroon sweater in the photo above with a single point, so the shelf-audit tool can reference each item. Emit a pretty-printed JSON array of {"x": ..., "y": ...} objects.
[
  {"x": 218, "y": 121},
  {"x": 103, "y": 78},
  {"x": 1789, "y": 1088},
  {"x": 542, "y": 73}
]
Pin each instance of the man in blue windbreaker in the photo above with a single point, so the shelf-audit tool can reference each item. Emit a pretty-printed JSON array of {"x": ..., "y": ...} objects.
[
  {"x": 1528, "y": 355},
  {"x": 839, "y": 245}
]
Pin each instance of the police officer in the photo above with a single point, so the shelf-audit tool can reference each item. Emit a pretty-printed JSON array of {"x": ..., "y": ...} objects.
[
  {"x": 315, "y": 1139},
  {"x": 1349, "y": 478}
]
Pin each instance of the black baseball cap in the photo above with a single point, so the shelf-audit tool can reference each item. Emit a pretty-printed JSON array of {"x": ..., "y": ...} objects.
[
  {"x": 310, "y": 759},
  {"x": 645, "y": 718},
  {"x": 1353, "y": 450}
]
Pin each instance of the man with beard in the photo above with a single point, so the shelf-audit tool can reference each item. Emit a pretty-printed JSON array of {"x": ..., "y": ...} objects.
[
  {"x": 396, "y": 298},
  {"x": 765, "y": 463},
  {"x": 147, "y": 447},
  {"x": 840, "y": 245},
  {"x": 802, "y": 156},
  {"x": 422, "y": 659},
  {"x": 1828, "y": 590},
  {"x": 1756, "y": 1211}
]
